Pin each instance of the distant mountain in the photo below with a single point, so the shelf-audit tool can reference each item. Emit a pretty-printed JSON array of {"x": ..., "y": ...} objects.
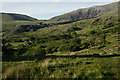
[
  {"x": 14, "y": 16},
  {"x": 87, "y": 13}
]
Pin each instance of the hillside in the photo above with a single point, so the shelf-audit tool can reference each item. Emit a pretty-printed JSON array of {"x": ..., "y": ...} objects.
[
  {"x": 14, "y": 17},
  {"x": 80, "y": 49},
  {"x": 80, "y": 14},
  {"x": 12, "y": 20},
  {"x": 91, "y": 32},
  {"x": 87, "y": 13},
  {"x": 86, "y": 49},
  {"x": 26, "y": 28}
]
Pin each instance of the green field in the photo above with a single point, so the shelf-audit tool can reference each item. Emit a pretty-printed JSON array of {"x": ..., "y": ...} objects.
[
  {"x": 66, "y": 67},
  {"x": 79, "y": 49}
]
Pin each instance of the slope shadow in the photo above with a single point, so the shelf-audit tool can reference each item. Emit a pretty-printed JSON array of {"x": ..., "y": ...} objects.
[
  {"x": 22, "y": 58},
  {"x": 81, "y": 56},
  {"x": 38, "y": 58}
]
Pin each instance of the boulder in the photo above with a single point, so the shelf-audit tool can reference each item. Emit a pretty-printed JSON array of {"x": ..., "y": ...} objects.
[{"x": 71, "y": 54}]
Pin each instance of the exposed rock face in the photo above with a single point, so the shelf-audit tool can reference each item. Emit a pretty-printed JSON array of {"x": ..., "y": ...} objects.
[
  {"x": 87, "y": 13},
  {"x": 78, "y": 15}
]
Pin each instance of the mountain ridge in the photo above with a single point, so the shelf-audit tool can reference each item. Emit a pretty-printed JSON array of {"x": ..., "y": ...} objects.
[
  {"x": 92, "y": 12},
  {"x": 15, "y": 16},
  {"x": 86, "y": 13}
]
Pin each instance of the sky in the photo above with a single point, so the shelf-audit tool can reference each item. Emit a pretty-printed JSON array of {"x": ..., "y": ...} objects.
[
  {"x": 48, "y": 8},
  {"x": 59, "y": 0}
]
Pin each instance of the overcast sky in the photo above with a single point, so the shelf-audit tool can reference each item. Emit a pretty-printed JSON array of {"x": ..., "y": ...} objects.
[
  {"x": 59, "y": 0},
  {"x": 48, "y": 8}
]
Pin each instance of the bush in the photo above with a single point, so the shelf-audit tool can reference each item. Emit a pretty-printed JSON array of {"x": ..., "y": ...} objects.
[
  {"x": 92, "y": 32},
  {"x": 36, "y": 52}
]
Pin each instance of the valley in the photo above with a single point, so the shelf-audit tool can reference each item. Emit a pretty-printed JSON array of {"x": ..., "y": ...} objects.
[{"x": 83, "y": 47}]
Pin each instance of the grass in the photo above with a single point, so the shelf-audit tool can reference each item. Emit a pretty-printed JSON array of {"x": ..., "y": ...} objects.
[
  {"x": 63, "y": 68},
  {"x": 9, "y": 25},
  {"x": 61, "y": 64},
  {"x": 18, "y": 43}
]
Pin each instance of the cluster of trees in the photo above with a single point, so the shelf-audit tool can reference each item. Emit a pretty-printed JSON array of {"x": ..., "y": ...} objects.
[{"x": 48, "y": 44}]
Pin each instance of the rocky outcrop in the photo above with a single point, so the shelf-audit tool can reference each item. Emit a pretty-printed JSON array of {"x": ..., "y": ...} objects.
[{"x": 87, "y": 13}]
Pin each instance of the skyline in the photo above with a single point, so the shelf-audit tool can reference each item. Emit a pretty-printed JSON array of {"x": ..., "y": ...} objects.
[{"x": 46, "y": 10}]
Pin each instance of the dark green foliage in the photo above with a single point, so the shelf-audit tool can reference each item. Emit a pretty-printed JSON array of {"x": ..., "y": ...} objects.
[
  {"x": 73, "y": 34},
  {"x": 92, "y": 32},
  {"x": 85, "y": 49},
  {"x": 7, "y": 49}
]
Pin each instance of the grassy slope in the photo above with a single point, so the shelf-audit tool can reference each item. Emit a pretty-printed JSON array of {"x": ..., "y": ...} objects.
[
  {"x": 71, "y": 67},
  {"x": 86, "y": 13},
  {"x": 56, "y": 67},
  {"x": 86, "y": 26},
  {"x": 10, "y": 20},
  {"x": 13, "y": 17},
  {"x": 9, "y": 25}
]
